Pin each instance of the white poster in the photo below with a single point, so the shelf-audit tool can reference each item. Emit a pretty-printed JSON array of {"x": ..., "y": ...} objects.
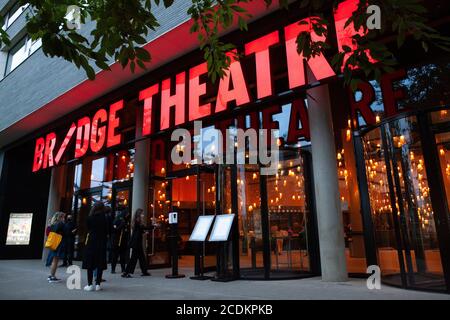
[
  {"x": 201, "y": 228},
  {"x": 19, "y": 229},
  {"x": 222, "y": 227}
]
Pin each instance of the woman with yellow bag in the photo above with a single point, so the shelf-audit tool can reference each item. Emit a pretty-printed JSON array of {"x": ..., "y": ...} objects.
[{"x": 55, "y": 244}]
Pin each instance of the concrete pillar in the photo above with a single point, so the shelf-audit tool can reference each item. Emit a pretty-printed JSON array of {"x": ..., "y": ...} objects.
[
  {"x": 55, "y": 194},
  {"x": 326, "y": 185},
  {"x": 141, "y": 171}
]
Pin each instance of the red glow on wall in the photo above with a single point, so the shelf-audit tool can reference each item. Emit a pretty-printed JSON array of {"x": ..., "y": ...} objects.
[
  {"x": 98, "y": 131},
  {"x": 82, "y": 141},
  {"x": 177, "y": 100},
  {"x": 197, "y": 89},
  {"x": 235, "y": 77},
  {"x": 260, "y": 47},
  {"x": 147, "y": 96},
  {"x": 319, "y": 65},
  {"x": 114, "y": 121}
]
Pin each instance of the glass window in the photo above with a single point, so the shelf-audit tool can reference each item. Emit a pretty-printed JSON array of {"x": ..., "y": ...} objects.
[
  {"x": 98, "y": 172},
  {"x": 288, "y": 215},
  {"x": 21, "y": 51},
  {"x": 250, "y": 224},
  {"x": 13, "y": 14},
  {"x": 17, "y": 55}
]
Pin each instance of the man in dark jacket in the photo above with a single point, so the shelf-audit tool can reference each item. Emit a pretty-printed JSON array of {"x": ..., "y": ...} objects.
[
  {"x": 136, "y": 246},
  {"x": 70, "y": 230},
  {"x": 119, "y": 240}
]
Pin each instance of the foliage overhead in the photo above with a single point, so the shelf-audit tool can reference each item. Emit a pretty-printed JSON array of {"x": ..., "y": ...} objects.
[{"x": 121, "y": 28}]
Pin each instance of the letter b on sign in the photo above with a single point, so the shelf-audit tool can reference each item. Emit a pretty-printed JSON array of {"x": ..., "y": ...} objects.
[{"x": 374, "y": 280}]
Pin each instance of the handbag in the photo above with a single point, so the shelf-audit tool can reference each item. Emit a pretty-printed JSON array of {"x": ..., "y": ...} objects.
[{"x": 53, "y": 240}]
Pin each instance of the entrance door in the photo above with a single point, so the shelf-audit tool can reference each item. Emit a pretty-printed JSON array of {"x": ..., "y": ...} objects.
[
  {"x": 405, "y": 187},
  {"x": 83, "y": 200},
  {"x": 193, "y": 193},
  {"x": 121, "y": 196}
]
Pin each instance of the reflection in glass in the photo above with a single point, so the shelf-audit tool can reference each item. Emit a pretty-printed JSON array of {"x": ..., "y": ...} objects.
[
  {"x": 288, "y": 215},
  {"x": 402, "y": 211}
]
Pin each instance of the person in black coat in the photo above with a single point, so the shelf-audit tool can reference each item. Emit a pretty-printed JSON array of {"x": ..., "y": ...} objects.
[
  {"x": 119, "y": 240},
  {"x": 70, "y": 229},
  {"x": 96, "y": 245},
  {"x": 136, "y": 246}
]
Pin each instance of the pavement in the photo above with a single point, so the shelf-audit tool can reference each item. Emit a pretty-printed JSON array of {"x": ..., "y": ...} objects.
[{"x": 26, "y": 279}]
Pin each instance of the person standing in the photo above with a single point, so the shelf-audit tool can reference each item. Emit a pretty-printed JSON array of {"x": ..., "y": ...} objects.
[
  {"x": 69, "y": 233},
  {"x": 120, "y": 235},
  {"x": 95, "y": 246},
  {"x": 136, "y": 246},
  {"x": 56, "y": 226}
]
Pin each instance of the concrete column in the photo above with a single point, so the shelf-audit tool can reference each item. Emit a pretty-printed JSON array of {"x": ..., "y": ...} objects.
[
  {"x": 326, "y": 185},
  {"x": 141, "y": 171},
  {"x": 55, "y": 194}
]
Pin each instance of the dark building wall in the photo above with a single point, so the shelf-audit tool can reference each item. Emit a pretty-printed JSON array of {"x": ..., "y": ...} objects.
[{"x": 22, "y": 191}]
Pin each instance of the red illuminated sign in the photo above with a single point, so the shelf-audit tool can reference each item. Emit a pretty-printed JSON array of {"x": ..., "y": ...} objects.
[
  {"x": 179, "y": 99},
  {"x": 176, "y": 100},
  {"x": 89, "y": 135},
  {"x": 260, "y": 47}
]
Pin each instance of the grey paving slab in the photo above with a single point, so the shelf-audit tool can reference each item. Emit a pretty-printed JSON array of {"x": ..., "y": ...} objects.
[{"x": 26, "y": 279}]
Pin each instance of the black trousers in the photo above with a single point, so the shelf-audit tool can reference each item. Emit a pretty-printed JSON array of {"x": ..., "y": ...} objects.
[
  {"x": 98, "y": 278},
  {"x": 118, "y": 254},
  {"x": 68, "y": 256},
  {"x": 137, "y": 254}
]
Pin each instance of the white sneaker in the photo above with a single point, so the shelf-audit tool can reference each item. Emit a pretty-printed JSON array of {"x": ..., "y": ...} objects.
[
  {"x": 89, "y": 288},
  {"x": 97, "y": 287}
]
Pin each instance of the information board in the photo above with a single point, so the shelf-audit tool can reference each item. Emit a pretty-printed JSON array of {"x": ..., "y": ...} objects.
[
  {"x": 201, "y": 228},
  {"x": 19, "y": 229},
  {"x": 222, "y": 227}
]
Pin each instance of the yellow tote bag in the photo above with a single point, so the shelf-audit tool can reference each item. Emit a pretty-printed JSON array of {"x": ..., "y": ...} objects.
[{"x": 53, "y": 240}]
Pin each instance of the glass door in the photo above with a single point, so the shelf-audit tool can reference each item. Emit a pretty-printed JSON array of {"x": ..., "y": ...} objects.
[
  {"x": 121, "y": 197},
  {"x": 405, "y": 201},
  {"x": 191, "y": 193},
  {"x": 158, "y": 252},
  {"x": 207, "y": 205}
]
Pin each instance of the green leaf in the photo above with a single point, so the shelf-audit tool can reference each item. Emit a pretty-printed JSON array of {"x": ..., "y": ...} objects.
[{"x": 142, "y": 54}]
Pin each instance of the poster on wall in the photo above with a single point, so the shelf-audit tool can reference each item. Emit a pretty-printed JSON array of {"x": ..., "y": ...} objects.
[{"x": 19, "y": 229}]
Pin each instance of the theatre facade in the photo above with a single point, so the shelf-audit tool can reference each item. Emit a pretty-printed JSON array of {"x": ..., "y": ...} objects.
[{"x": 363, "y": 176}]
